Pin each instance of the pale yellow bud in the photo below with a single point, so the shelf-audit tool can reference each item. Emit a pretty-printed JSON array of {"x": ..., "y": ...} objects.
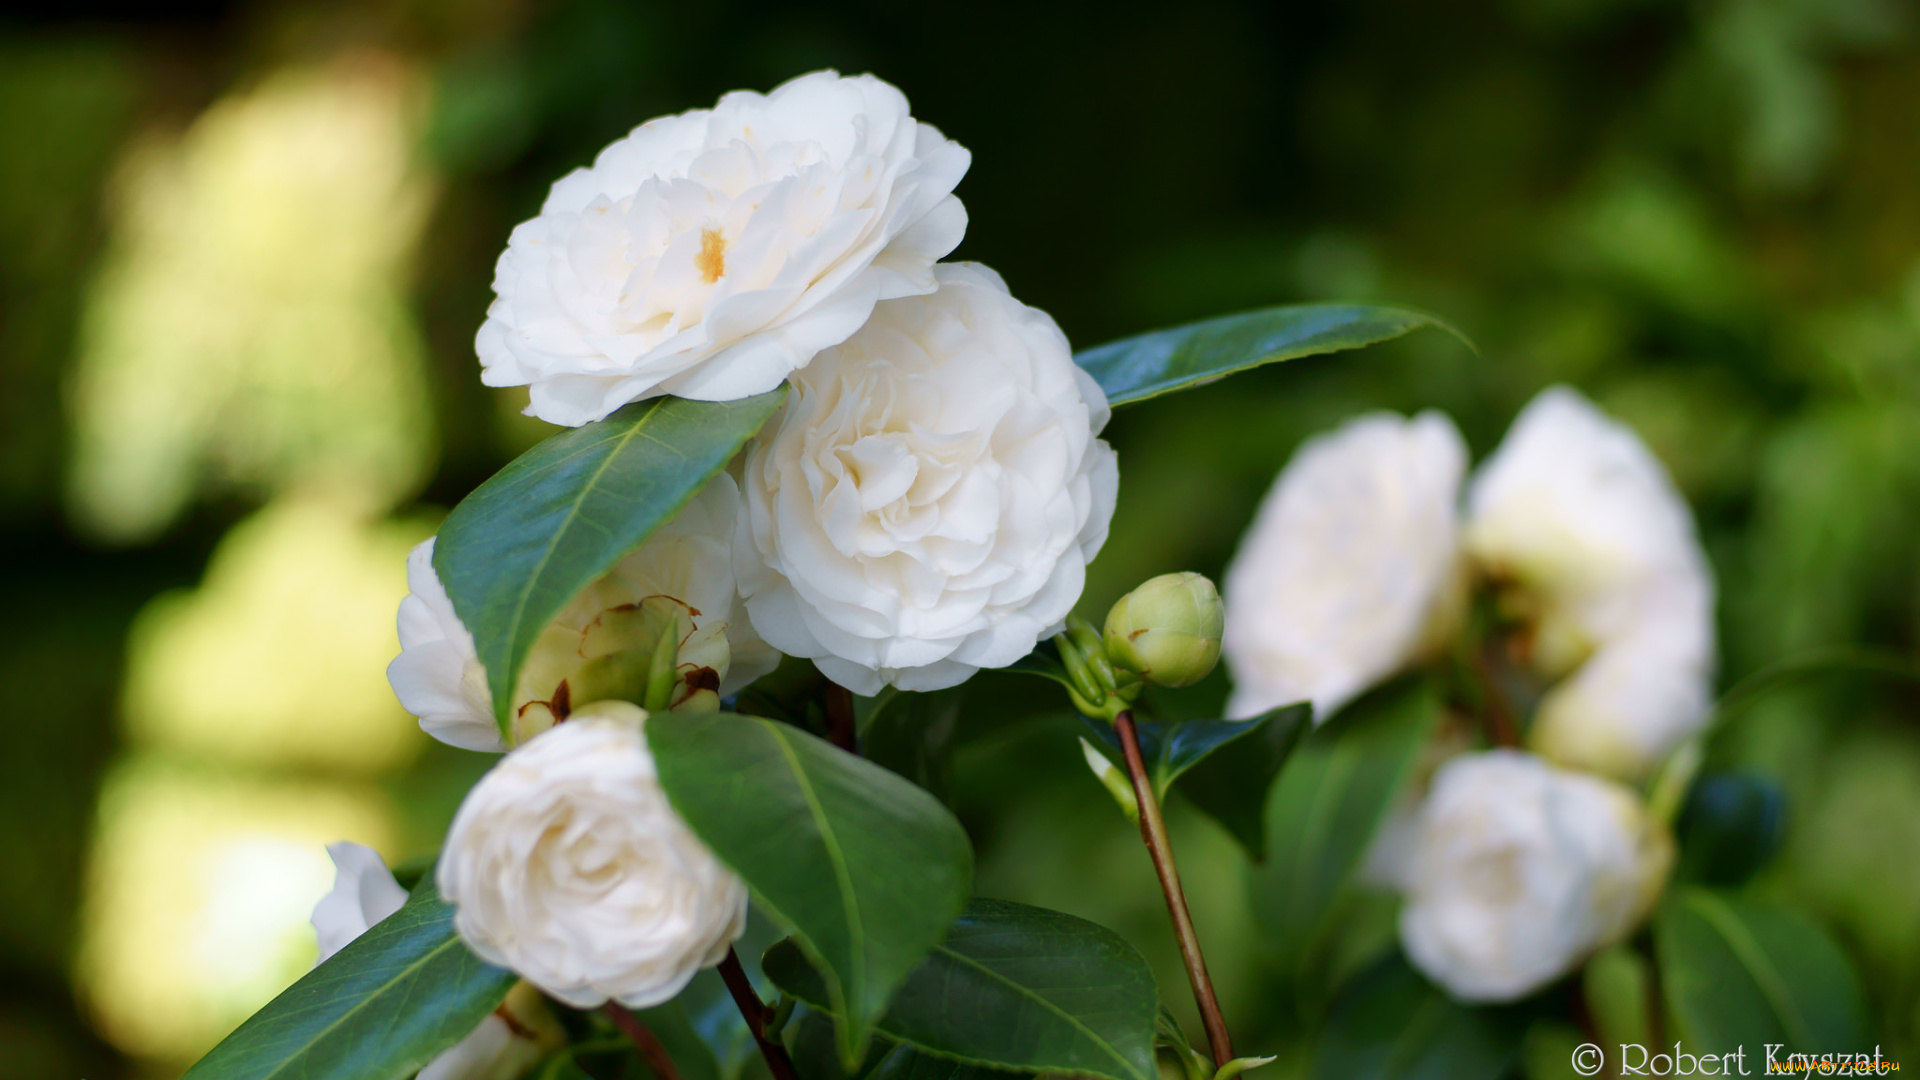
[{"x": 1167, "y": 630}]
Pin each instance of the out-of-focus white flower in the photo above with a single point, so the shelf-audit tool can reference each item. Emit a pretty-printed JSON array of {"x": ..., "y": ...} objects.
[
  {"x": 599, "y": 646},
  {"x": 511, "y": 1040},
  {"x": 710, "y": 254},
  {"x": 568, "y": 866},
  {"x": 928, "y": 500},
  {"x": 364, "y": 892},
  {"x": 1596, "y": 552},
  {"x": 1352, "y": 566},
  {"x": 1521, "y": 870}
]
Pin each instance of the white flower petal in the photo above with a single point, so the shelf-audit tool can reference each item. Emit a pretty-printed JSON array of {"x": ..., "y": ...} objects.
[
  {"x": 926, "y": 502},
  {"x": 1521, "y": 870},
  {"x": 1351, "y": 566},
  {"x": 712, "y": 253},
  {"x": 567, "y": 865}
]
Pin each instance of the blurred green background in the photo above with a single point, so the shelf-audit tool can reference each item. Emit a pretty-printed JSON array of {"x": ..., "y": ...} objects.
[{"x": 244, "y": 249}]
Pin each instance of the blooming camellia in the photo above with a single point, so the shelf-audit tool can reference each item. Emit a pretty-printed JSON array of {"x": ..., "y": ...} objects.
[
  {"x": 1352, "y": 566},
  {"x": 599, "y": 646},
  {"x": 567, "y": 865},
  {"x": 510, "y": 1041},
  {"x": 928, "y": 500},
  {"x": 1520, "y": 870},
  {"x": 1351, "y": 571},
  {"x": 1597, "y": 548},
  {"x": 710, "y": 254}
]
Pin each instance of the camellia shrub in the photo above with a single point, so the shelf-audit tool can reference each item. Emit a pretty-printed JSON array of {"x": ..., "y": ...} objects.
[{"x": 812, "y": 478}]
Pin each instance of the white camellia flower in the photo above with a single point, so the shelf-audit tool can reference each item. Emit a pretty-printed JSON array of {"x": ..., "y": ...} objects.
[
  {"x": 600, "y": 645},
  {"x": 510, "y": 1041},
  {"x": 1595, "y": 550},
  {"x": 567, "y": 865},
  {"x": 710, "y": 254},
  {"x": 1520, "y": 870},
  {"x": 928, "y": 500},
  {"x": 1351, "y": 568}
]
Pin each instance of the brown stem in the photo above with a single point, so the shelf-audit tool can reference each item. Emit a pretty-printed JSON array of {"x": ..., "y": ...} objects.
[
  {"x": 840, "y": 729},
  {"x": 649, "y": 1045},
  {"x": 1501, "y": 728},
  {"x": 757, "y": 1014},
  {"x": 1153, "y": 830}
]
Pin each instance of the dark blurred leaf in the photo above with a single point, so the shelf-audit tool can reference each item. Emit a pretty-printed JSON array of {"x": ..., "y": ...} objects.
[
  {"x": 1732, "y": 826},
  {"x": 912, "y": 734},
  {"x": 523, "y": 544},
  {"x": 675, "y": 1024},
  {"x": 1137, "y": 368},
  {"x": 1739, "y": 972},
  {"x": 708, "y": 1008},
  {"x": 1043, "y": 661},
  {"x": 1016, "y": 987},
  {"x": 866, "y": 869},
  {"x": 810, "y": 1044},
  {"x": 1391, "y": 1024},
  {"x": 379, "y": 1009},
  {"x": 1231, "y": 786},
  {"x": 1331, "y": 798}
]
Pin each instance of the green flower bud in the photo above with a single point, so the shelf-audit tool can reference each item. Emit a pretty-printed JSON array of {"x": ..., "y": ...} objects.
[{"x": 1167, "y": 630}]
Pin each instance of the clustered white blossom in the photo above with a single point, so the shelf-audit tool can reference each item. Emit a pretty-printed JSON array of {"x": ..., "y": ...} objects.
[
  {"x": 925, "y": 505},
  {"x": 1517, "y": 864}
]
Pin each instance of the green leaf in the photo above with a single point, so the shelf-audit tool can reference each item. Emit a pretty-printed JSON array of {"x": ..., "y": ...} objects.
[
  {"x": 1391, "y": 1024},
  {"x": 1016, "y": 987},
  {"x": 864, "y": 868},
  {"x": 379, "y": 1009},
  {"x": 1745, "y": 972},
  {"x": 1331, "y": 798},
  {"x": 906, "y": 1063},
  {"x": 523, "y": 544},
  {"x": 1232, "y": 787},
  {"x": 1137, "y": 368}
]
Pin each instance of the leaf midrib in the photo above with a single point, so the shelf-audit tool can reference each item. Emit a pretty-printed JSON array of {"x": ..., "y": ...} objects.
[
  {"x": 1027, "y": 992},
  {"x": 1751, "y": 956},
  {"x": 293, "y": 1056},
  {"x": 503, "y": 700},
  {"x": 856, "y": 927}
]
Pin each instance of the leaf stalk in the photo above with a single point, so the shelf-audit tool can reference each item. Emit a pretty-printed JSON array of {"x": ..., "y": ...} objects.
[{"x": 757, "y": 1014}]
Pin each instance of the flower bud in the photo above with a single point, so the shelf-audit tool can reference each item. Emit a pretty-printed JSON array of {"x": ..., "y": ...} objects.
[{"x": 1167, "y": 630}]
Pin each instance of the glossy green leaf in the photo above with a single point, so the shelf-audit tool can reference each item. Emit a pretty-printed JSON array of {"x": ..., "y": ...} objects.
[
  {"x": 1230, "y": 787},
  {"x": 907, "y": 1063},
  {"x": 1391, "y": 1024},
  {"x": 378, "y": 1009},
  {"x": 1137, "y": 368},
  {"x": 864, "y": 868},
  {"x": 1739, "y": 972},
  {"x": 1016, "y": 987},
  {"x": 523, "y": 544},
  {"x": 1329, "y": 802}
]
